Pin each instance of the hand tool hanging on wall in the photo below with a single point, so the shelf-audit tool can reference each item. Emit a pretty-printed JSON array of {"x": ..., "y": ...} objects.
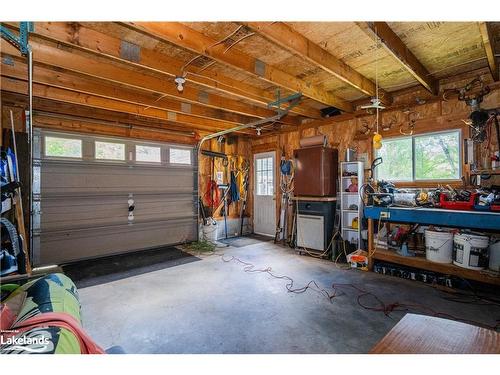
[
  {"x": 234, "y": 192},
  {"x": 286, "y": 187},
  {"x": 246, "y": 174},
  {"x": 211, "y": 195}
]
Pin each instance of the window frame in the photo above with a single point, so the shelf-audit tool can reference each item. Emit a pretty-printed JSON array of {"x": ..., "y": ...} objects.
[
  {"x": 269, "y": 161},
  {"x": 427, "y": 134},
  {"x": 180, "y": 165},
  {"x": 135, "y": 145},
  {"x": 65, "y": 137},
  {"x": 103, "y": 140}
]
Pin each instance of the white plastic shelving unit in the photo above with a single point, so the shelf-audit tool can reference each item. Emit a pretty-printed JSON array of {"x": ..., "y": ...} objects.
[{"x": 354, "y": 169}]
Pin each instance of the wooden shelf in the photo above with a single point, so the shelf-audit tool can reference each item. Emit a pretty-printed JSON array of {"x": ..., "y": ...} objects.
[
  {"x": 422, "y": 263},
  {"x": 314, "y": 199},
  {"x": 492, "y": 172}
]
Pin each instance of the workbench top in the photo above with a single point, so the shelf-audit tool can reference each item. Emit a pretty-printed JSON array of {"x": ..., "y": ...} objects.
[{"x": 483, "y": 220}]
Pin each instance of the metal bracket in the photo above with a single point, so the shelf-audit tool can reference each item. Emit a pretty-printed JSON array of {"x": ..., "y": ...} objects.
[
  {"x": 21, "y": 41},
  {"x": 291, "y": 99}
]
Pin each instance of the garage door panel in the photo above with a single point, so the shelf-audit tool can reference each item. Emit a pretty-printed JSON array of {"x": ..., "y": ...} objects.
[
  {"x": 86, "y": 212},
  {"x": 61, "y": 178},
  {"x": 83, "y": 203},
  {"x": 67, "y": 246}
]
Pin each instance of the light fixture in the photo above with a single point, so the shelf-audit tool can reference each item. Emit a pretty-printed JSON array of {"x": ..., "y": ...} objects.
[
  {"x": 180, "y": 81},
  {"x": 377, "y": 137},
  {"x": 258, "y": 131}
]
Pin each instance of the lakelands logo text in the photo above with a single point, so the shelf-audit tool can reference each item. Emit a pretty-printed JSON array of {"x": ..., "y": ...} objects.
[{"x": 37, "y": 344}]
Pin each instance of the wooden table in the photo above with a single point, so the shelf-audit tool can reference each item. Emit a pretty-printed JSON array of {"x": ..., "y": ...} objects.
[{"x": 421, "y": 334}]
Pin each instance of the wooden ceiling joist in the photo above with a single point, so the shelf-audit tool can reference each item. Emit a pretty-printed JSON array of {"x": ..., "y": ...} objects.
[
  {"x": 62, "y": 109},
  {"x": 74, "y": 82},
  {"x": 67, "y": 96},
  {"x": 192, "y": 40},
  {"x": 80, "y": 63},
  {"x": 148, "y": 59},
  {"x": 395, "y": 46},
  {"x": 117, "y": 130},
  {"x": 286, "y": 37},
  {"x": 488, "y": 42}
]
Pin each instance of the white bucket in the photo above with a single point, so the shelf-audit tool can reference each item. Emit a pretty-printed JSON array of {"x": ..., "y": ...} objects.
[
  {"x": 470, "y": 251},
  {"x": 210, "y": 232},
  {"x": 495, "y": 256},
  {"x": 438, "y": 246}
]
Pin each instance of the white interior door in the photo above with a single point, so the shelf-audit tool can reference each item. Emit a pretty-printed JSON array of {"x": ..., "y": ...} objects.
[{"x": 264, "y": 221}]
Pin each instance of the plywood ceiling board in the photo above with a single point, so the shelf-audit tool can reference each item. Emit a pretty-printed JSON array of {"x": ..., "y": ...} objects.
[{"x": 440, "y": 45}]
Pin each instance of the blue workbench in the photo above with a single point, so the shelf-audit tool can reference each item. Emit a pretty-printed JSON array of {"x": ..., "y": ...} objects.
[
  {"x": 437, "y": 216},
  {"x": 430, "y": 216}
]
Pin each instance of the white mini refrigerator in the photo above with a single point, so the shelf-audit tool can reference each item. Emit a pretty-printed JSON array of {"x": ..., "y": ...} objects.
[{"x": 311, "y": 232}]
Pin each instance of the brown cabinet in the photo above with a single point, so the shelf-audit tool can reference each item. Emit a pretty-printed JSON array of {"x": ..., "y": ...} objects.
[{"x": 316, "y": 170}]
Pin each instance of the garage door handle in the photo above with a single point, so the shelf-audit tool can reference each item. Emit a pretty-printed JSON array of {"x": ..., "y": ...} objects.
[{"x": 131, "y": 208}]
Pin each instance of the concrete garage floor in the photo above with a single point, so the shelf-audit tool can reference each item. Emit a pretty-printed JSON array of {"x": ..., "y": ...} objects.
[{"x": 209, "y": 306}]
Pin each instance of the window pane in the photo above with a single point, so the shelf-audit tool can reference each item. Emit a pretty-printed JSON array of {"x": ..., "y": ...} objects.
[
  {"x": 148, "y": 153},
  {"x": 180, "y": 156},
  {"x": 397, "y": 160},
  {"x": 264, "y": 176},
  {"x": 63, "y": 147},
  {"x": 109, "y": 151},
  {"x": 437, "y": 156},
  {"x": 270, "y": 182}
]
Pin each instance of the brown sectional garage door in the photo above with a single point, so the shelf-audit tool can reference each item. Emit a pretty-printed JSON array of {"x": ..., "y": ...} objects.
[{"x": 85, "y": 187}]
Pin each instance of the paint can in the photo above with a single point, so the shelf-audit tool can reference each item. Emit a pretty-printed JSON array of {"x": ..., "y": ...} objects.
[
  {"x": 470, "y": 251},
  {"x": 438, "y": 246},
  {"x": 494, "y": 264}
]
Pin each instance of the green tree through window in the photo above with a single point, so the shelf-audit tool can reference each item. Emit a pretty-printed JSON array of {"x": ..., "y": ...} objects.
[{"x": 422, "y": 157}]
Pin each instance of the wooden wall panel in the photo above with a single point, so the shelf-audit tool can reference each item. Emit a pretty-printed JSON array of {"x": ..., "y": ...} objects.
[{"x": 435, "y": 115}]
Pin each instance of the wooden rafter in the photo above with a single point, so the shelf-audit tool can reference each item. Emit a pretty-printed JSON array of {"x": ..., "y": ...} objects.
[
  {"x": 185, "y": 37},
  {"x": 78, "y": 83},
  {"x": 67, "y": 96},
  {"x": 78, "y": 61},
  {"x": 96, "y": 127},
  {"x": 488, "y": 43},
  {"x": 57, "y": 108},
  {"x": 395, "y": 46},
  {"x": 151, "y": 60},
  {"x": 286, "y": 37}
]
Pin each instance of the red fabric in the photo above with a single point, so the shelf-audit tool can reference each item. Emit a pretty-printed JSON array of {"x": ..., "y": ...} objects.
[
  {"x": 7, "y": 317},
  {"x": 62, "y": 320},
  {"x": 212, "y": 191}
]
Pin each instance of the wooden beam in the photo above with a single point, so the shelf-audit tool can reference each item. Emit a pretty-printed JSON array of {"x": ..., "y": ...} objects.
[
  {"x": 91, "y": 113},
  {"x": 185, "y": 37},
  {"x": 395, "y": 46},
  {"x": 103, "y": 45},
  {"x": 96, "y": 127},
  {"x": 286, "y": 37},
  {"x": 66, "y": 57},
  {"x": 78, "y": 83},
  {"x": 191, "y": 122},
  {"x": 489, "y": 48}
]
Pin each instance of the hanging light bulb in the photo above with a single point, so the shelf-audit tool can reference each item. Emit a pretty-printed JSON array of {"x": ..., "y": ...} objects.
[
  {"x": 180, "y": 81},
  {"x": 259, "y": 131},
  {"x": 377, "y": 137}
]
